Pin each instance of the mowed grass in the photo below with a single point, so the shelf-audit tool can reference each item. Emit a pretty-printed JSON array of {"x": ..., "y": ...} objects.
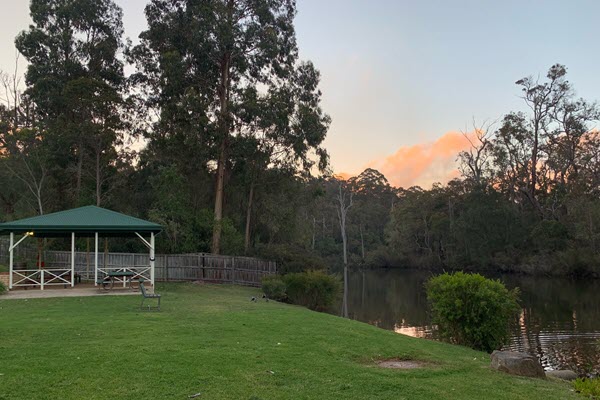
[{"x": 213, "y": 340}]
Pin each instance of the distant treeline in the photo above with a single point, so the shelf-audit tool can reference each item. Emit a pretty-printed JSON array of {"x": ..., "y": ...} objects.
[
  {"x": 528, "y": 199},
  {"x": 216, "y": 132}
]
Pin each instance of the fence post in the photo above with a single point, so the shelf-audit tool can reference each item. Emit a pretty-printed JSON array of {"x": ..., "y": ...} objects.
[
  {"x": 233, "y": 270},
  {"x": 166, "y": 260},
  {"x": 203, "y": 265}
]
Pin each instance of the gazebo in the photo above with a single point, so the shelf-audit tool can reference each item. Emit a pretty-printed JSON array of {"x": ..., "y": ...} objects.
[{"x": 89, "y": 221}]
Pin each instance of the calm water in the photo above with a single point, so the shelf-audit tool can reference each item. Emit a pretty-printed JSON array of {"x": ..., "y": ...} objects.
[{"x": 559, "y": 322}]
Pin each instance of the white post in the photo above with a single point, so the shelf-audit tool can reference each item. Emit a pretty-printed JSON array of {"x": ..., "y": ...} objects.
[
  {"x": 42, "y": 279},
  {"x": 152, "y": 258},
  {"x": 96, "y": 259},
  {"x": 10, "y": 262},
  {"x": 72, "y": 259}
]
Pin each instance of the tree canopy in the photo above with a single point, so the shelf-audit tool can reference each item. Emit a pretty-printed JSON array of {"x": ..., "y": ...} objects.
[{"x": 217, "y": 133}]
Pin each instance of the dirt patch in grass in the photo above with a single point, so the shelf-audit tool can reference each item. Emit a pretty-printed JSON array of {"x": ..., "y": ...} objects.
[{"x": 395, "y": 363}]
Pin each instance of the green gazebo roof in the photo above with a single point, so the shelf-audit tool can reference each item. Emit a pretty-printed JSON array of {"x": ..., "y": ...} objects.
[{"x": 84, "y": 221}]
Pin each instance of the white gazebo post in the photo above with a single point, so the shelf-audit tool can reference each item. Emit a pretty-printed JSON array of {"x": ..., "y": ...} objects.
[
  {"x": 10, "y": 262},
  {"x": 96, "y": 259},
  {"x": 150, "y": 246},
  {"x": 152, "y": 258},
  {"x": 72, "y": 259}
]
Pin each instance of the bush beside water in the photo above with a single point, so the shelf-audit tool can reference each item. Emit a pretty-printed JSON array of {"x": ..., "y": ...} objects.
[
  {"x": 471, "y": 310},
  {"x": 274, "y": 287},
  {"x": 315, "y": 290},
  {"x": 588, "y": 387}
]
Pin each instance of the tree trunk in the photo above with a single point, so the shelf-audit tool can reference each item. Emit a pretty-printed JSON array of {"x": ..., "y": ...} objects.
[
  {"x": 79, "y": 172},
  {"x": 248, "y": 219},
  {"x": 223, "y": 122},
  {"x": 219, "y": 196},
  {"x": 344, "y": 240},
  {"x": 362, "y": 242},
  {"x": 345, "y": 303},
  {"x": 314, "y": 233},
  {"x": 534, "y": 156},
  {"x": 342, "y": 212},
  {"x": 39, "y": 200},
  {"x": 98, "y": 182}
]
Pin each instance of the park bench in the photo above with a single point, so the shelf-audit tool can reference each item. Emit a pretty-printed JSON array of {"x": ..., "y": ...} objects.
[{"x": 146, "y": 295}]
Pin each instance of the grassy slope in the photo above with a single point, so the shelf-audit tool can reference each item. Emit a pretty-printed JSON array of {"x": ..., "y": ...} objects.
[{"x": 212, "y": 339}]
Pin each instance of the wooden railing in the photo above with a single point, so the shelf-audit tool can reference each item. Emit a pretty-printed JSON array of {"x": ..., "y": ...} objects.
[{"x": 168, "y": 267}]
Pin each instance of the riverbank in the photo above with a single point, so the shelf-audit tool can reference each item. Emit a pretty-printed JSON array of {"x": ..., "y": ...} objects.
[{"x": 214, "y": 340}]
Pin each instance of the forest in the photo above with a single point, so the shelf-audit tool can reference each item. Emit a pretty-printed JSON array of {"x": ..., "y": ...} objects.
[{"x": 212, "y": 126}]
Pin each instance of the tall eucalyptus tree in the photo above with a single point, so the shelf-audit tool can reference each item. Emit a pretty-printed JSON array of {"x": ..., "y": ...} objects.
[
  {"x": 219, "y": 71},
  {"x": 75, "y": 79}
]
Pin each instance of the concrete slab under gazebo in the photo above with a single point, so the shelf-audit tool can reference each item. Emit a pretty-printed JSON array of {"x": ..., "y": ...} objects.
[{"x": 89, "y": 221}]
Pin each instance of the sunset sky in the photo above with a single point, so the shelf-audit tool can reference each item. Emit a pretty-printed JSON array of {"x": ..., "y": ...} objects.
[{"x": 401, "y": 79}]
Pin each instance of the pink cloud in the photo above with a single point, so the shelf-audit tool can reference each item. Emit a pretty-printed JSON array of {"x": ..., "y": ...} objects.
[{"x": 425, "y": 163}]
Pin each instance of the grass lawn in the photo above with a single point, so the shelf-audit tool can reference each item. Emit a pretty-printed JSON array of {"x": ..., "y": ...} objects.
[{"x": 214, "y": 340}]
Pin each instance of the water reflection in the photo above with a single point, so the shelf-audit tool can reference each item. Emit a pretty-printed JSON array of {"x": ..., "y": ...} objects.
[{"x": 559, "y": 322}]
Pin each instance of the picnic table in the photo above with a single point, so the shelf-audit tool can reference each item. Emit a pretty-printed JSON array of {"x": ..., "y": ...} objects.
[{"x": 112, "y": 276}]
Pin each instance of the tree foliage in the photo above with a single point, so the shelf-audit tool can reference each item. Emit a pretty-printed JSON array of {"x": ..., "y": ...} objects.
[
  {"x": 232, "y": 157},
  {"x": 225, "y": 78},
  {"x": 74, "y": 100}
]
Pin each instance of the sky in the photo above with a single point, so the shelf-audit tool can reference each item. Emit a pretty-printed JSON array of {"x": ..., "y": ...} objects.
[{"x": 402, "y": 79}]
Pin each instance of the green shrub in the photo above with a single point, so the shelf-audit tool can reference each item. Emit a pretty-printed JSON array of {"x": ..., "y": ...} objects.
[
  {"x": 588, "y": 387},
  {"x": 2, "y": 288},
  {"x": 471, "y": 310},
  {"x": 274, "y": 287},
  {"x": 315, "y": 290}
]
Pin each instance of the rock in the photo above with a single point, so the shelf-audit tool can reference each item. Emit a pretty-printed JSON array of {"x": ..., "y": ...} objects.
[
  {"x": 514, "y": 363},
  {"x": 564, "y": 374}
]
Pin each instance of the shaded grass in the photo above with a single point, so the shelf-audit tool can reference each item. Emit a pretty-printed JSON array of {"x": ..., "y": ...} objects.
[{"x": 214, "y": 340}]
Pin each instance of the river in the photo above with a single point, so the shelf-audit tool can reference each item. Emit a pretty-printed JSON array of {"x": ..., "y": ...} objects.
[{"x": 559, "y": 321}]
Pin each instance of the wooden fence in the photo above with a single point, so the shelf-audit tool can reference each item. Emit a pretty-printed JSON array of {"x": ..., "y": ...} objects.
[{"x": 168, "y": 267}]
